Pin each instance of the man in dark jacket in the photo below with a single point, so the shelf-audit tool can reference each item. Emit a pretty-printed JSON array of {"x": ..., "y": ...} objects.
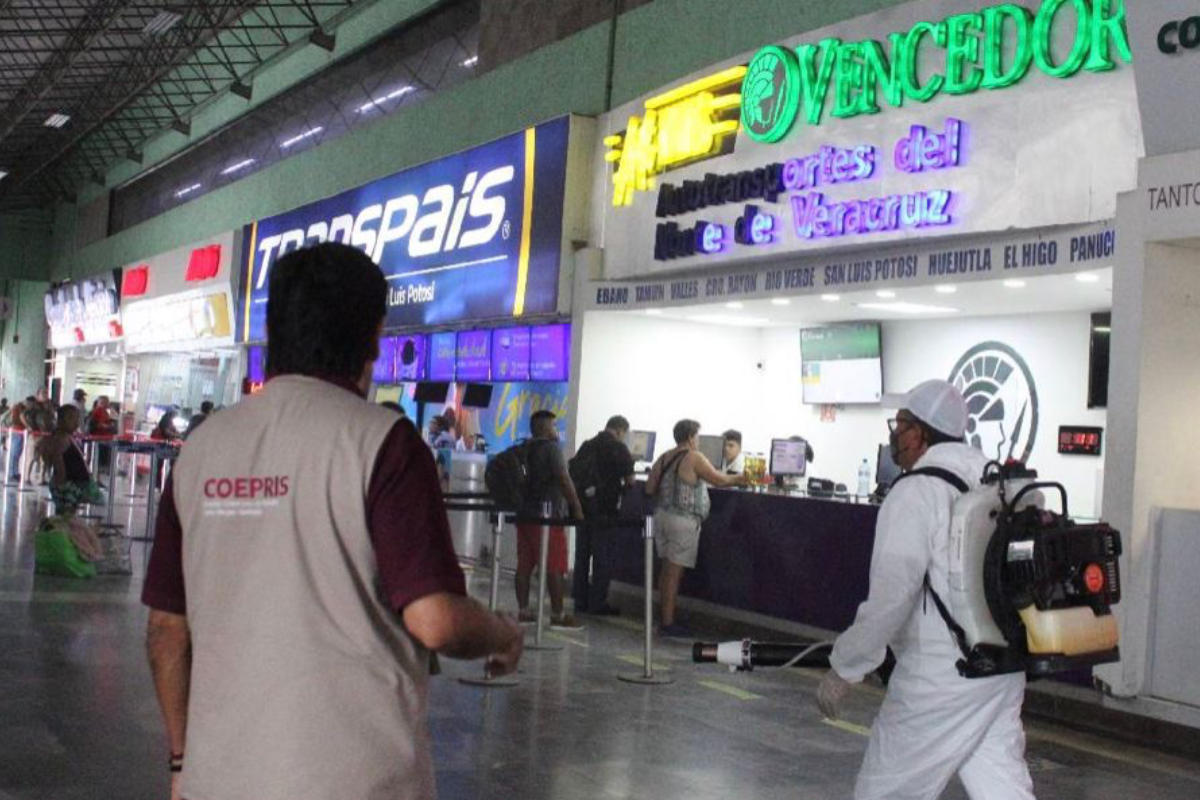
[{"x": 601, "y": 469}]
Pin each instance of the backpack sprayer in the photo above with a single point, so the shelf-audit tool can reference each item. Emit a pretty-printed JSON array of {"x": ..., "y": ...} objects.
[{"x": 1030, "y": 590}]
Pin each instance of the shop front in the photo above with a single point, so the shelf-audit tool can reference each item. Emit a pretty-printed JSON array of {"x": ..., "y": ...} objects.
[
  {"x": 179, "y": 334},
  {"x": 86, "y": 337},
  {"x": 475, "y": 247},
  {"x": 791, "y": 235}
]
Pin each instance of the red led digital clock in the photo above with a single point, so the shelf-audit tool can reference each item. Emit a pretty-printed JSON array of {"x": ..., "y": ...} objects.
[{"x": 1074, "y": 440}]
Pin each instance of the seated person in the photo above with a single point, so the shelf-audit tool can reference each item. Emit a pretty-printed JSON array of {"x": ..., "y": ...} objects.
[
  {"x": 797, "y": 481},
  {"x": 734, "y": 460},
  {"x": 71, "y": 483}
]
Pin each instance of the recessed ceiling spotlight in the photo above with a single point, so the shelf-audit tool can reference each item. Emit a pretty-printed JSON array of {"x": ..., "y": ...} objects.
[
  {"x": 886, "y": 294},
  {"x": 470, "y": 62},
  {"x": 56, "y": 120},
  {"x": 735, "y": 306},
  {"x": 831, "y": 298},
  {"x": 945, "y": 289},
  {"x": 1013, "y": 283},
  {"x": 907, "y": 308},
  {"x": 2, "y": 174},
  {"x": 1087, "y": 277},
  {"x": 654, "y": 312},
  {"x": 780, "y": 301}
]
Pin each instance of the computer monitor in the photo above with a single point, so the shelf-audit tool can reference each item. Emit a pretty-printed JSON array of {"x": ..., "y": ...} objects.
[
  {"x": 431, "y": 392},
  {"x": 641, "y": 445},
  {"x": 789, "y": 457},
  {"x": 886, "y": 469},
  {"x": 477, "y": 395},
  {"x": 713, "y": 448}
]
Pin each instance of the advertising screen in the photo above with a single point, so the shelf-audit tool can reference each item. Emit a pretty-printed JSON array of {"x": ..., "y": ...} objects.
[
  {"x": 842, "y": 363},
  {"x": 473, "y": 357},
  {"x": 476, "y": 235},
  {"x": 256, "y": 364},
  {"x": 411, "y": 358},
  {"x": 441, "y": 356},
  {"x": 550, "y": 352},
  {"x": 510, "y": 354},
  {"x": 384, "y": 371}
]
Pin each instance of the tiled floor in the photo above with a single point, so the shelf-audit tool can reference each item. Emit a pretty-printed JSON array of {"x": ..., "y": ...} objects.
[{"x": 78, "y": 718}]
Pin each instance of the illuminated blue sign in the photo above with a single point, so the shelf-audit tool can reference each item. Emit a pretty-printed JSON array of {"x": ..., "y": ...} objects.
[{"x": 476, "y": 235}]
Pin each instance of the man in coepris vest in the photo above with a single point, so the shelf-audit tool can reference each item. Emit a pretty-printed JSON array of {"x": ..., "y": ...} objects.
[{"x": 303, "y": 571}]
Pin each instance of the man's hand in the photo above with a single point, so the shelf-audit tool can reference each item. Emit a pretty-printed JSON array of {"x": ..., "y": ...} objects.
[
  {"x": 830, "y": 693},
  {"x": 504, "y": 660}
]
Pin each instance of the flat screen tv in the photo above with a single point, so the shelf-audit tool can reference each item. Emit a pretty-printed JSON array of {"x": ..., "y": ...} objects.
[
  {"x": 431, "y": 392},
  {"x": 411, "y": 362},
  {"x": 477, "y": 395},
  {"x": 441, "y": 356},
  {"x": 550, "y": 352},
  {"x": 473, "y": 359},
  {"x": 384, "y": 371},
  {"x": 510, "y": 354},
  {"x": 842, "y": 363},
  {"x": 713, "y": 448}
]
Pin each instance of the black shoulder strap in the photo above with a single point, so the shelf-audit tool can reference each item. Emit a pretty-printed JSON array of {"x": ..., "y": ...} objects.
[
  {"x": 956, "y": 630},
  {"x": 937, "y": 472}
]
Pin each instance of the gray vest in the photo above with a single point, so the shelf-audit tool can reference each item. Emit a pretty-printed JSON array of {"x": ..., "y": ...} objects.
[{"x": 304, "y": 682}]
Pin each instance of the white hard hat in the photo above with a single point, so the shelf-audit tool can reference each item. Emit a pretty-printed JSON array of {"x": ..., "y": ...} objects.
[{"x": 936, "y": 403}]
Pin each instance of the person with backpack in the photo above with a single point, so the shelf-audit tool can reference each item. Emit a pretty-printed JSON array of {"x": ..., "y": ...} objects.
[
  {"x": 600, "y": 470},
  {"x": 548, "y": 482},
  {"x": 933, "y": 722},
  {"x": 680, "y": 479}
]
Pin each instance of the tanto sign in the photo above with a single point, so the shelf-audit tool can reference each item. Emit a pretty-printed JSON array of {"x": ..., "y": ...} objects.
[
  {"x": 477, "y": 235},
  {"x": 782, "y": 85}
]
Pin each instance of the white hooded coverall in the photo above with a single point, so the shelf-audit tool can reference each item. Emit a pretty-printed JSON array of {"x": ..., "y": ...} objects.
[{"x": 933, "y": 722}]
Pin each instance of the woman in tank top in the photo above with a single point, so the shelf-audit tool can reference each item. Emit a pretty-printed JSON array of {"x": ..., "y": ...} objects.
[{"x": 71, "y": 482}]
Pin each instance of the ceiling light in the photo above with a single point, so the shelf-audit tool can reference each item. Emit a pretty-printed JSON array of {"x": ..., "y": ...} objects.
[
  {"x": 301, "y": 137},
  {"x": 730, "y": 319},
  {"x": 780, "y": 301},
  {"x": 735, "y": 306},
  {"x": 907, "y": 308},
  {"x": 945, "y": 289},
  {"x": 1102, "y": 329},
  {"x": 184, "y": 192},
  {"x": 163, "y": 21},
  {"x": 2, "y": 174},
  {"x": 403, "y": 90},
  {"x": 232, "y": 168},
  {"x": 654, "y": 312},
  {"x": 1087, "y": 277},
  {"x": 1013, "y": 283},
  {"x": 470, "y": 62},
  {"x": 886, "y": 294},
  {"x": 831, "y": 298},
  {"x": 56, "y": 120}
]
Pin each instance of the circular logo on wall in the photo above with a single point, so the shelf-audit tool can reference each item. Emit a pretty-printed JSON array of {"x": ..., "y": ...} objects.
[
  {"x": 1002, "y": 401},
  {"x": 770, "y": 94}
]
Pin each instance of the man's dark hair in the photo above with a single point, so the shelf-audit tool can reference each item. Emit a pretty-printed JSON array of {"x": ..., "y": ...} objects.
[
  {"x": 617, "y": 423},
  {"x": 685, "y": 429},
  {"x": 324, "y": 310},
  {"x": 80, "y": 394},
  {"x": 206, "y": 407},
  {"x": 541, "y": 421},
  {"x": 732, "y": 436}
]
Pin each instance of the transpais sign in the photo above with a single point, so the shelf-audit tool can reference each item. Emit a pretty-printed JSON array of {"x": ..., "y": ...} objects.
[{"x": 476, "y": 235}]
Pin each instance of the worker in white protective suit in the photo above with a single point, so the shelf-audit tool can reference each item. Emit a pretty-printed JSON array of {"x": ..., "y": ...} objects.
[{"x": 933, "y": 722}]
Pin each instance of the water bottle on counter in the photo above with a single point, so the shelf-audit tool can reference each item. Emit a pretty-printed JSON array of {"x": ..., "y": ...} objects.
[{"x": 864, "y": 479}]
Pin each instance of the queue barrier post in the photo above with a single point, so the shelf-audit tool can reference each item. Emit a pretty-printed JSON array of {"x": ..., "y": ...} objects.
[
  {"x": 647, "y": 676},
  {"x": 113, "y": 454},
  {"x": 543, "y": 560},
  {"x": 24, "y": 460},
  {"x": 499, "y": 681}
]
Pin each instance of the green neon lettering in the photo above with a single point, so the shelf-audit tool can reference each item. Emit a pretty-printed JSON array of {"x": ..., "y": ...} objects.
[
  {"x": 851, "y": 80},
  {"x": 878, "y": 72},
  {"x": 1108, "y": 28},
  {"x": 814, "y": 81},
  {"x": 995, "y": 20},
  {"x": 1043, "y": 38},
  {"x": 963, "y": 75},
  {"x": 910, "y": 69},
  {"x": 769, "y": 107}
]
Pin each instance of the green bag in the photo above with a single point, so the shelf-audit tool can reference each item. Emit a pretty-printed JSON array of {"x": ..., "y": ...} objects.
[{"x": 55, "y": 553}]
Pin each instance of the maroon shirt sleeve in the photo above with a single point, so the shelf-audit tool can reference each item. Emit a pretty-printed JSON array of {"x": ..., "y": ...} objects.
[
  {"x": 408, "y": 524},
  {"x": 163, "y": 589}
]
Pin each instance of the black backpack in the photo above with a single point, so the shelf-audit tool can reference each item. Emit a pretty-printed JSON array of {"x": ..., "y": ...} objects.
[
  {"x": 508, "y": 477},
  {"x": 584, "y": 469}
]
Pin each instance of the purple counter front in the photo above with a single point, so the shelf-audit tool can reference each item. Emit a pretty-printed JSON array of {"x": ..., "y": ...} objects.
[{"x": 795, "y": 558}]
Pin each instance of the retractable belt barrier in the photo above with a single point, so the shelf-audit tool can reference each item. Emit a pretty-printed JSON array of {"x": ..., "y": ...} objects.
[{"x": 499, "y": 517}]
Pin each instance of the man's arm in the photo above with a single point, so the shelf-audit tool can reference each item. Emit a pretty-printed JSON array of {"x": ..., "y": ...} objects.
[
  {"x": 566, "y": 485},
  {"x": 459, "y": 627},
  {"x": 169, "y": 647},
  {"x": 899, "y": 560}
]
